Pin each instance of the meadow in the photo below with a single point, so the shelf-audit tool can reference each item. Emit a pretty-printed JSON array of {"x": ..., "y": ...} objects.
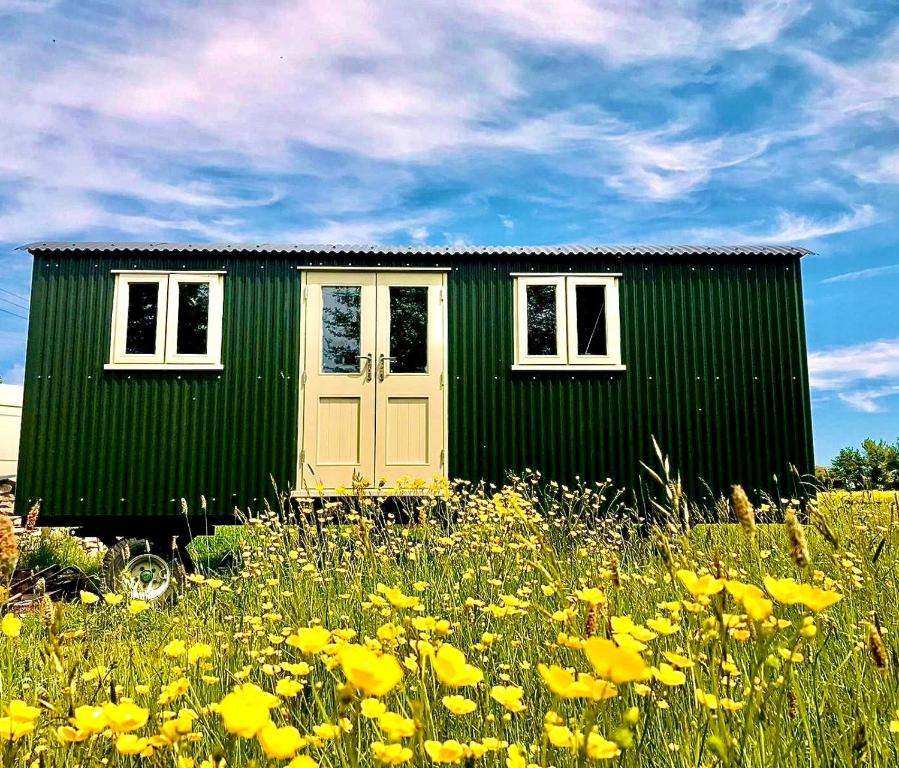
[{"x": 529, "y": 625}]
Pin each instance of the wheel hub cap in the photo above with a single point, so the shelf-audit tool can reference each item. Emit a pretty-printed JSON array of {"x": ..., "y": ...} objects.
[{"x": 146, "y": 577}]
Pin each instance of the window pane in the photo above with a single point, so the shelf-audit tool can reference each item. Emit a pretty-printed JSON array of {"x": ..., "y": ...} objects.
[
  {"x": 409, "y": 329},
  {"x": 341, "y": 328},
  {"x": 193, "y": 318},
  {"x": 591, "y": 319},
  {"x": 143, "y": 314},
  {"x": 542, "y": 320}
]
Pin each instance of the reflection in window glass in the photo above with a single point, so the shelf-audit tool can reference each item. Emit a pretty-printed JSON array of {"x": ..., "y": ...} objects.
[
  {"x": 591, "y": 319},
  {"x": 541, "y": 314},
  {"x": 341, "y": 328},
  {"x": 409, "y": 329},
  {"x": 143, "y": 314},
  {"x": 193, "y": 318}
]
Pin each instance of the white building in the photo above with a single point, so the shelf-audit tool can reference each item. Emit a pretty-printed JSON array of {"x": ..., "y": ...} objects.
[{"x": 10, "y": 424}]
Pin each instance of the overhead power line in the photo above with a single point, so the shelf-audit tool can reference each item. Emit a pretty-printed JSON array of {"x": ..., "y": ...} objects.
[
  {"x": 14, "y": 314},
  {"x": 14, "y": 303},
  {"x": 16, "y": 295}
]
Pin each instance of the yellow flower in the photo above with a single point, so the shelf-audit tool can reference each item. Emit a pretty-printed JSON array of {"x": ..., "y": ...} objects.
[
  {"x": 302, "y": 761},
  {"x": 790, "y": 592},
  {"x": 173, "y": 690},
  {"x": 89, "y": 719},
  {"x": 391, "y": 754},
  {"x": 125, "y": 717},
  {"x": 137, "y": 606},
  {"x": 707, "y": 700},
  {"x": 245, "y": 710},
  {"x": 757, "y": 606},
  {"x": 175, "y": 648},
  {"x": 396, "y": 598},
  {"x": 591, "y": 595},
  {"x": 11, "y": 626},
  {"x": 396, "y": 726},
  {"x": 21, "y": 712},
  {"x": 450, "y": 751},
  {"x": 562, "y": 737},
  {"x": 199, "y": 651},
  {"x": 515, "y": 757},
  {"x": 668, "y": 675},
  {"x": 563, "y": 683},
  {"x": 459, "y": 705},
  {"x": 662, "y": 625},
  {"x": 280, "y": 743},
  {"x": 682, "y": 662},
  {"x": 509, "y": 696},
  {"x": 452, "y": 670},
  {"x": 112, "y": 599},
  {"x": 620, "y": 665},
  {"x": 705, "y": 585},
  {"x": 599, "y": 748},
  {"x": 310, "y": 640},
  {"x": 11, "y": 729},
  {"x": 69, "y": 735},
  {"x": 374, "y": 674},
  {"x": 373, "y": 708},
  {"x": 288, "y": 687},
  {"x": 88, "y": 598},
  {"x": 130, "y": 744}
]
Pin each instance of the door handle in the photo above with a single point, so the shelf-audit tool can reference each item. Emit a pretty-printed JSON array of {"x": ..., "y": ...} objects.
[
  {"x": 368, "y": 364},
  {"x": 381, "y": 360}
]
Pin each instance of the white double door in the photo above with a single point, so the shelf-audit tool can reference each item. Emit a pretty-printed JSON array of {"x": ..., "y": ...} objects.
[{"x": 373, "y": 404}]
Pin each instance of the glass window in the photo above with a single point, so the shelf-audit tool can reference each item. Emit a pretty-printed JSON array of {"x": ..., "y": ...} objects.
[
  {"x": 143, "y": 315},
  {"x": 541, "y": 320},
  {"x": 591, "y": 319},
  {"x": 409, "y": 329},
  {"x": 193, "y": 318},
  {"x": 341, "y": 328},
  {"x": 167, "y": 319}
]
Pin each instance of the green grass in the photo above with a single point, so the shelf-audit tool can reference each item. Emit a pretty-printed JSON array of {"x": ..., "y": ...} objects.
[{"x": 512, "y": 567}]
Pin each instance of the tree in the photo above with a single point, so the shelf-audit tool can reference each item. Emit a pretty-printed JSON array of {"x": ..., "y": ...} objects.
[{"x": 874, "y": 467}]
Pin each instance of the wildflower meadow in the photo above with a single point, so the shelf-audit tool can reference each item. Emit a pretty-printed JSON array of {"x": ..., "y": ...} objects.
[{"x": 534, "y": 624}]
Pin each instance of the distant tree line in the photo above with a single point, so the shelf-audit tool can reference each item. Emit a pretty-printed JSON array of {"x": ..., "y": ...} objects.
[{"x": 874, "y": 467}]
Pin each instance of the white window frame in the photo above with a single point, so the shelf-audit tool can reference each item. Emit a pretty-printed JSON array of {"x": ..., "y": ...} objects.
[
  {"x": 566, "y": 317},
  {"x": 165, "y": 357}
]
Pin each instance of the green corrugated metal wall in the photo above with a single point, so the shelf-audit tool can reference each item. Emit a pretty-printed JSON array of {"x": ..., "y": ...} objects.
[{"x": 715, "y": 356}]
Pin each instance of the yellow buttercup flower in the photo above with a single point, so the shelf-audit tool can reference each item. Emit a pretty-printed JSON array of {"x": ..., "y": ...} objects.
[
  {"x": 396, "y": 726},
  {"x": 88, "y": 598},
  {"x": 245, "y": 710},
  {"x": 452, "y": 669},
  {"x": 12, "y": 730},
  {"x": 509, "y": 696},
  {"x": 89, "y": 719},
  {"x": 137, "y": 606},
  {"x": 600, "y": 748},
  {"x": 372, "y": 708},
  {"x": 112, "y": 599},
  {"x": 125, "y": 717},
  {"x": 790, "y": 592},
  {"x": 450, "y": 751},
  {"x": 131, "y": 744},
  {"x": 11, "y": 625},
  {"x": 459, "y": 705},
  {"x": 700, "y": 586},
  {"x": 565, "y": 685},
  {"x": 397, "y": 599},
  {"x": 310, "y": 640},
  {"x": 20, "y": 711},
  {"x": 391, "y": 754},
  {"x": 199, "y": 651},
  {"x": 288, "y": 687},
  {"x": 280, "y": 743},
  {"x": 372, "y": 673},
  {"x": 668, "y": 675},
  {"x": 663, "y": 625},
  {"x": 620, "y": 665},
  {"x": 591, "y": 595},
  {"x": 175, "y": 648},
  {"x": 753, "y": 600}
]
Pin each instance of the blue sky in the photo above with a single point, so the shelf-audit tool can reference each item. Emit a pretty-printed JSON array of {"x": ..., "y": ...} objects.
[{"x": 480, "y": 122}]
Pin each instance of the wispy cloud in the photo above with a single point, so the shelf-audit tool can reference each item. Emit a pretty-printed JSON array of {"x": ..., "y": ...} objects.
[
  {"x": 869, "y": 400},
  {"x": 840, "y": 367},
  {"x": 863, "y": 274},
  {"x": 792, "y": 227}
]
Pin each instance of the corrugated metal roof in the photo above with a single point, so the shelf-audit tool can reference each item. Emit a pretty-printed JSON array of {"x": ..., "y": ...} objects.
[{"x": 423, "y": 250}]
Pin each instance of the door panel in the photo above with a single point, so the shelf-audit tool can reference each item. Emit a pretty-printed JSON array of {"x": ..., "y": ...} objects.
[
  {"x": 338, "y": 391},
  {"x": 409, "y": 417}
]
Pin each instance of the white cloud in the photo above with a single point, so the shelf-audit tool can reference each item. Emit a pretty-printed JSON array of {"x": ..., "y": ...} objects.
[
  {"x": 863, "y": 274},
  {"x": 868, "y": 400},
  {"x": 791, "y": 228},
  {"x": 840, "y": 367},
  {"x": 14, "y": 375},
  {"x": 877, "y": 167}
]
